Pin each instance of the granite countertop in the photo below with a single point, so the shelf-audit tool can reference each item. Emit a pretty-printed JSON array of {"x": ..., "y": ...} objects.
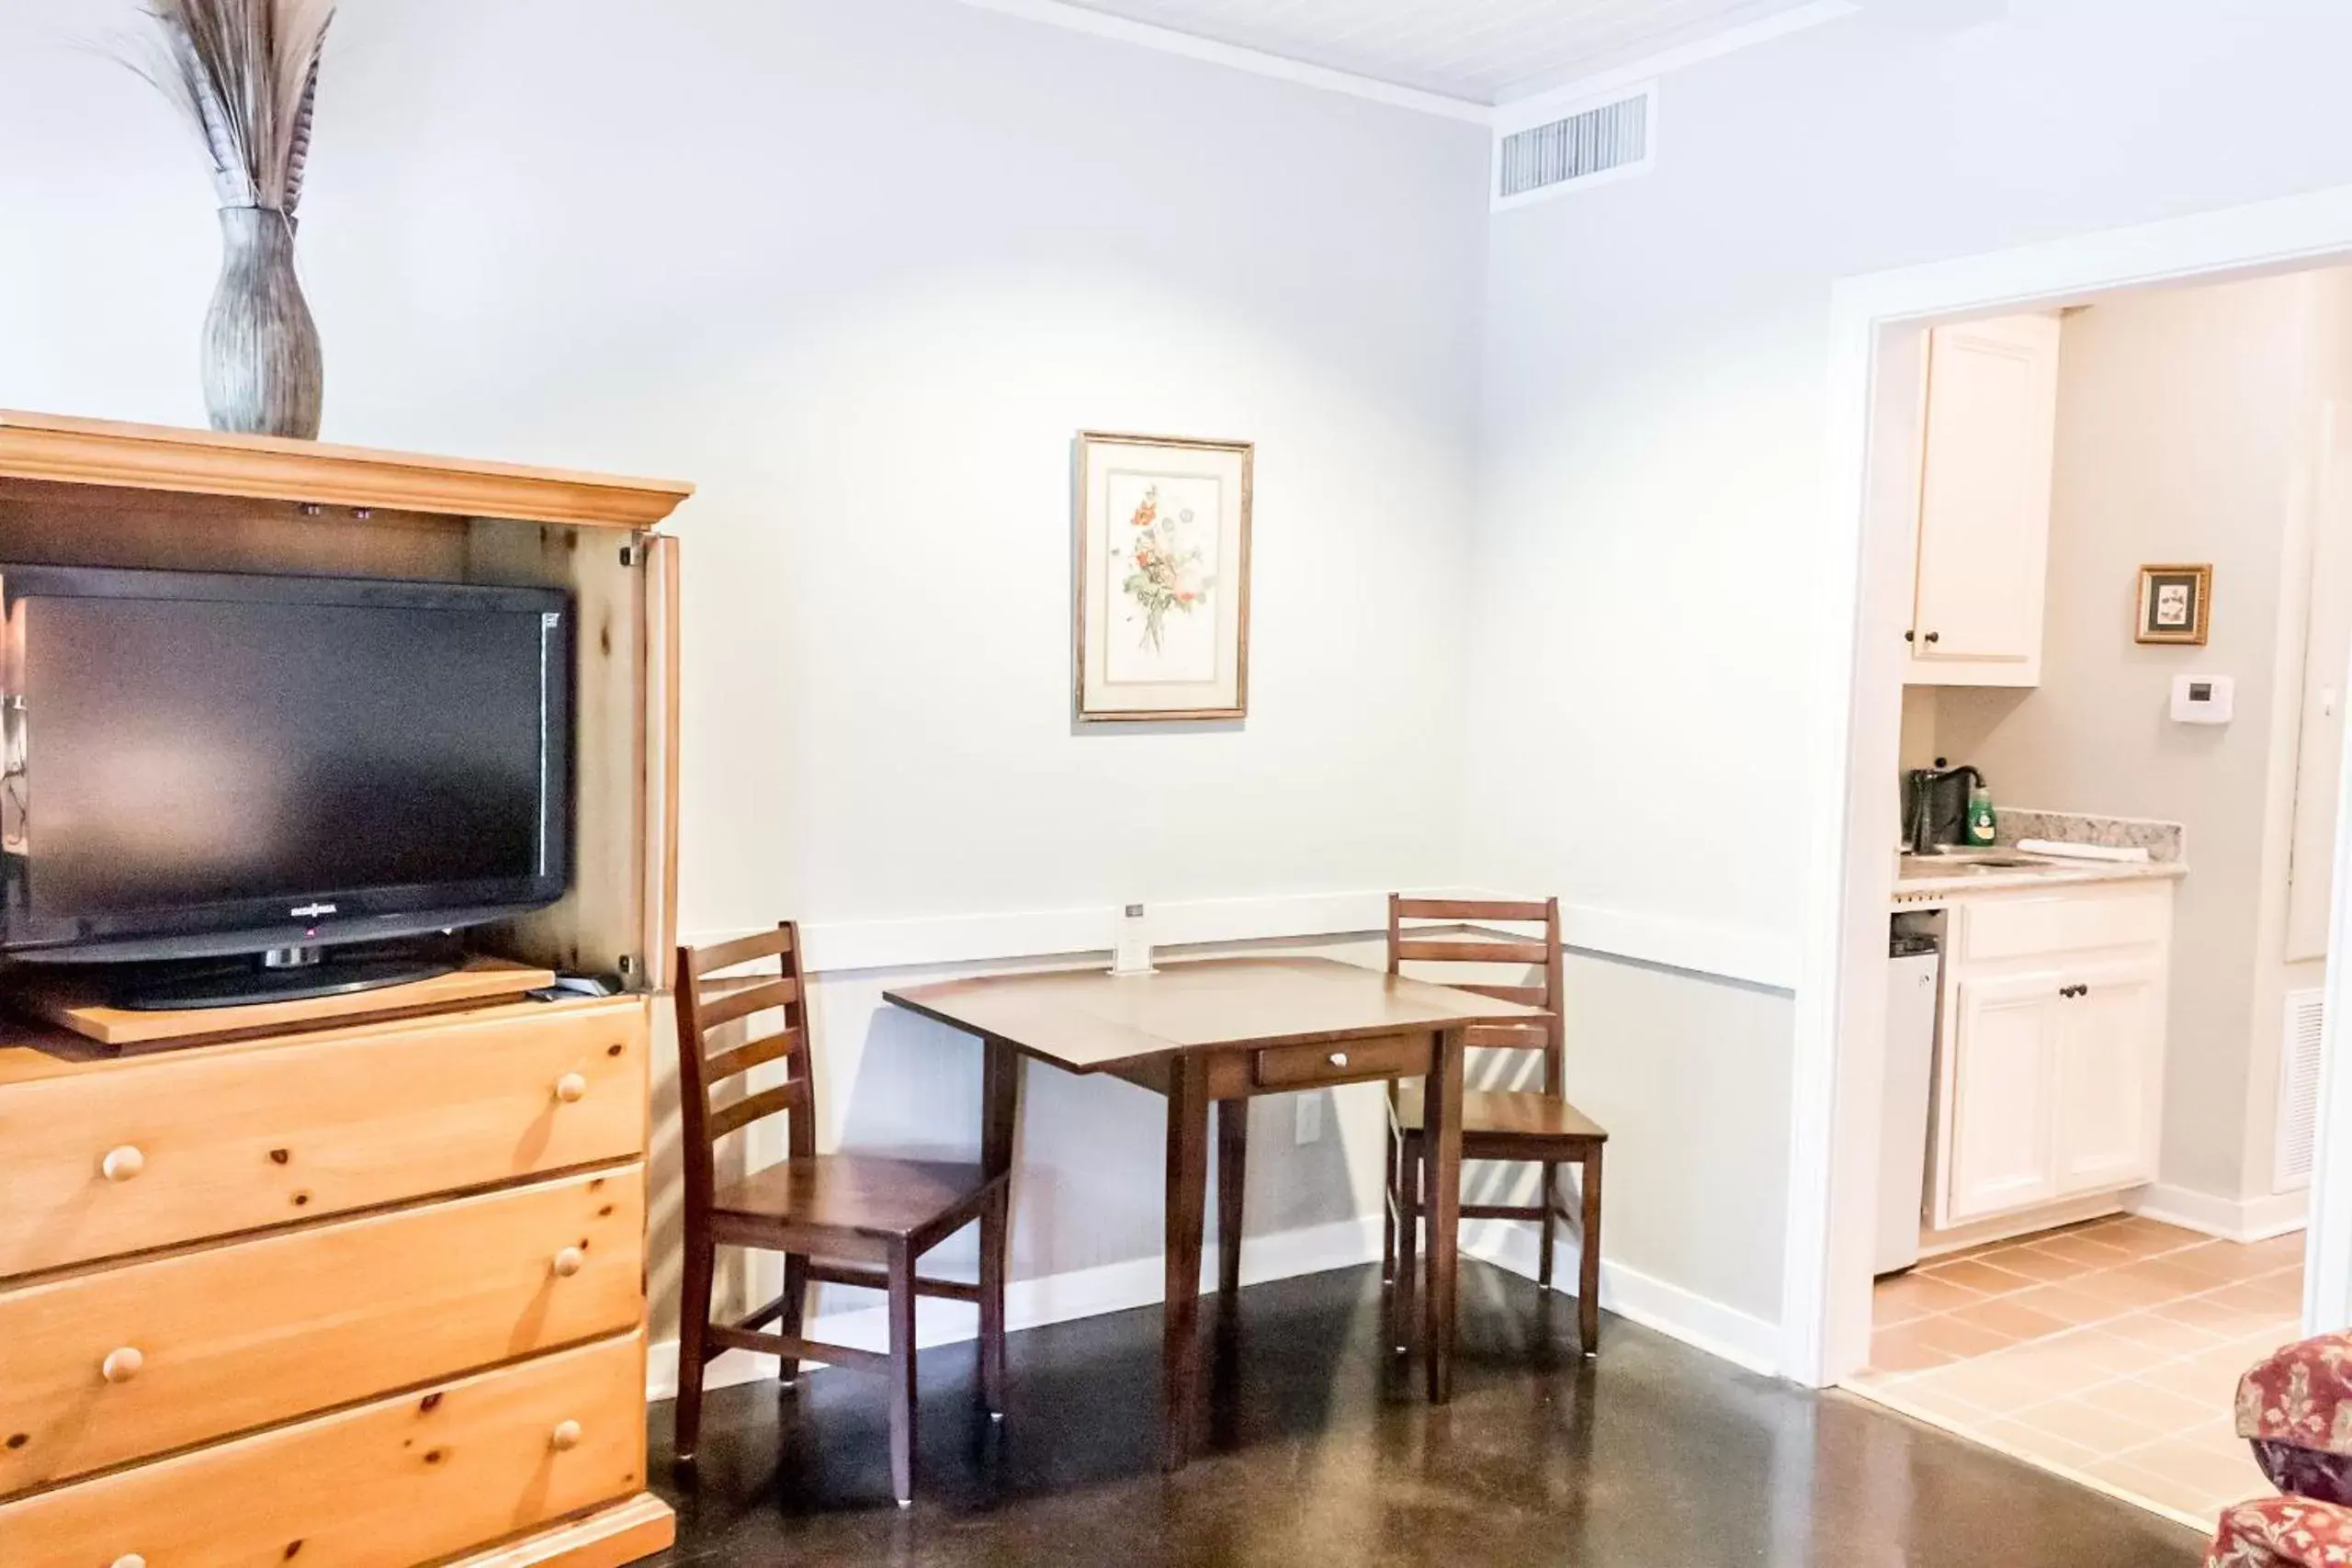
[{"x": 2004, "y": 868}]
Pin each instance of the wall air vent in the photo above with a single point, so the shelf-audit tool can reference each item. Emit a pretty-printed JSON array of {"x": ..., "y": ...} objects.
[
  {"x": 2298, "y": 1090},
  {"x": 1607, "y": 141}
]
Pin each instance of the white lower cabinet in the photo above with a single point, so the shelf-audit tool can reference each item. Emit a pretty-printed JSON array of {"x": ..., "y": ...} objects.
[
  {"x": 2051, "y": 1061},
  {"x": 2001, "y": 1152}
]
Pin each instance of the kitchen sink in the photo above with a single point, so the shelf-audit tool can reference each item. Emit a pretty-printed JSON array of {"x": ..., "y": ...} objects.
[{"x": 1970, "y": 862}]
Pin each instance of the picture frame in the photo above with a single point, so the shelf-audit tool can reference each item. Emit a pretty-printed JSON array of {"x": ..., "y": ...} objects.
[
  {"x": 1163, "y": 610},
  {"x": 2175, "y": 604}
]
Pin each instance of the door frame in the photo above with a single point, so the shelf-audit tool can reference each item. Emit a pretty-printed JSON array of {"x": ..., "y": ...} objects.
[{"x": 1854, "y": 727}]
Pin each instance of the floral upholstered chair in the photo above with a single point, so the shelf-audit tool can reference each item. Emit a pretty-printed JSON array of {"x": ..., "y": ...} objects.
[{"x": 2296, "y": 1409}]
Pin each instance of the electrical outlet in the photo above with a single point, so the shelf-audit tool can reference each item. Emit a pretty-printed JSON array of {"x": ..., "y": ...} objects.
[{"x": 1310, "y": 1118}]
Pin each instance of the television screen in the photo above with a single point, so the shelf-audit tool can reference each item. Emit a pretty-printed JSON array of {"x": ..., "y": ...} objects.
[{"x": 232, "y": 757}]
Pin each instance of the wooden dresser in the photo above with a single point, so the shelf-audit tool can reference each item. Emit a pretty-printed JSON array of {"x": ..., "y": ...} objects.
[{"x": 366, "y": 1291}]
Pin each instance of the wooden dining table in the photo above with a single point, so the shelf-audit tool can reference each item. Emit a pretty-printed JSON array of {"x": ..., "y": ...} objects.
[{"x": 1224, "y": 1032}]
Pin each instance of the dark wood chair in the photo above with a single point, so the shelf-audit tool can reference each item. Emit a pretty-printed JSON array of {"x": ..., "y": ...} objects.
[
  {"x": 838, "y": 1219},
  {"x": 1536, "y": 1126}
]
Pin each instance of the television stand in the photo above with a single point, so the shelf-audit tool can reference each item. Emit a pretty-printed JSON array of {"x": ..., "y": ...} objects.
[{"x": 280, "y": 974}]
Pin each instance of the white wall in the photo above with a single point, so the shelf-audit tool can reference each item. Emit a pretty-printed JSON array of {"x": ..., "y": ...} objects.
[
  {"x": 1655, "y": 422},
  {"x": 860, "y": 271},
  {"x": 2189, "y": 424}
]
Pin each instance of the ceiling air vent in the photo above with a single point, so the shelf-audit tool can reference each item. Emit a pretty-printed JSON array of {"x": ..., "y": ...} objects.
[{"x": 1608, "y": 140}]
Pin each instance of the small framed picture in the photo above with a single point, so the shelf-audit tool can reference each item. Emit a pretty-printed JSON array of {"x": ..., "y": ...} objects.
[
  {"x": 2176, "y": 603},
  {"x": 1163, "y": 577}
]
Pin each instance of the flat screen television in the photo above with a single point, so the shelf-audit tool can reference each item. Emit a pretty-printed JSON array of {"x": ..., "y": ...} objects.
[{"x": 219, "y": 778}]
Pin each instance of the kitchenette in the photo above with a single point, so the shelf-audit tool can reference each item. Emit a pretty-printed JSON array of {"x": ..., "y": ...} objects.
[{"x": 2026, "y": 1031}]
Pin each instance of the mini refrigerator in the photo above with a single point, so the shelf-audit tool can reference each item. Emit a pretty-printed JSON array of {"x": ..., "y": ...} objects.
[{"x": 1914, "y": 976}]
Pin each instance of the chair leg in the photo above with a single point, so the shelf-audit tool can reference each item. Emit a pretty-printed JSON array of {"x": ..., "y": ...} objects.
[
  {"x": 796, "y": 1299},
  {"x": 694, "y": 1326},
  {"x": 993, "y": 1227},
  {"x": 902, "y": 1373},
  {"x": 1409, "y": 1236},
  {"x": 1588, "y": 1265},
  {"x": 1544, "y": 1238}
]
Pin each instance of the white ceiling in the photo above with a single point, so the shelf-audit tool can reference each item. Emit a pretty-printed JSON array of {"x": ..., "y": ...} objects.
[{"x": 1483, "y": 50}]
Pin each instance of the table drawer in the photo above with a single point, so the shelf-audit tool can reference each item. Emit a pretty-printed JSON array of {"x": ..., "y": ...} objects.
[
  {"x": 109, "y": 1366},
  {"x": 1347, "y": 1061},
  {"x": 213, "y": 1140},
  {"x": 399, "y": 1482},
  {"x": 2062, "y": 921}
]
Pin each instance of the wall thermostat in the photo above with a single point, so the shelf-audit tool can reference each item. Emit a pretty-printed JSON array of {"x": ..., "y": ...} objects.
[{"x": 2203, "y": 699}]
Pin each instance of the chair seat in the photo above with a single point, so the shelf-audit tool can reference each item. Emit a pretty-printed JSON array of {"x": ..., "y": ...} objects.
[
  {"x": 1505, "y": 1113},
  {"x": 861, "y": 1194}
]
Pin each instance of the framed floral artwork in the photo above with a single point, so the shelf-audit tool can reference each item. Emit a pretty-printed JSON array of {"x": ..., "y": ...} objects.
[
  {"x": 1163, "y": 577},
  {"x": 2176, "y": 603}
]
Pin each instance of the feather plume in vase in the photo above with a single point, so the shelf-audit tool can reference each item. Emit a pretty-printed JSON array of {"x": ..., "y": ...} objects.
[{"x": 245, "y": 74}]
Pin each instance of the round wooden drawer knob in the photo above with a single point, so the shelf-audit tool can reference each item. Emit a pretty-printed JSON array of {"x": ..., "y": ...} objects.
[
  {"x": 122, "y": 1163},
  {"x": 565, "y": 1437},
  {"x": 121, "y": 1366},
  {"x": 1338, "y": 1058},
  {"x": 570, "y": 1088},
  {"x": 130, "y": 1560},
  {"x": 570, "y": 1261}
]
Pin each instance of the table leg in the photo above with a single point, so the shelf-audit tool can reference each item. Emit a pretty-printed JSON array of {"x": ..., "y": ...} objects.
[
  {"x": 1188, "y": 1180},
  {"x": 1232, "y": 1175},
  {"x": 999, "y": 1115},
  {"x": 1442, "y": 1144}
]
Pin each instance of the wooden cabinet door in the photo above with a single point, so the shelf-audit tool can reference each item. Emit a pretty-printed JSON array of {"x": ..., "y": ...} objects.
[
  {"x": 1998, "y": 1119},
  {"x": 1984, "y": 503},
  {"x": 2110, "y": 1077}
]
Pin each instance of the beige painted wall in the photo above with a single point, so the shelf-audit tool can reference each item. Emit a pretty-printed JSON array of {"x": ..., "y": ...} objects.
[{"x": 2187, "y": 432}]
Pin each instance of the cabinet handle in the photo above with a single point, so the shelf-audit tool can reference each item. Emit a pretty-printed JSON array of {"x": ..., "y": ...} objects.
[
  {"x": 122, "y": 1163},
  {"x": 1935, "y": 636},
  {"x": 1338, "y": 1058},
  {"x": 565, "y": 1437},
  {"x": 121, "y": 1366},
  {"x": 570, "y": 1261},
  {"x": 570, "y": 1088},
  {"x": 1912, "y": 635}
]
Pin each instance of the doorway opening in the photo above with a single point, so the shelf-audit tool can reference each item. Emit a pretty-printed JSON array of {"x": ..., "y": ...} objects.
[{"x": 2120, "y": 1109}]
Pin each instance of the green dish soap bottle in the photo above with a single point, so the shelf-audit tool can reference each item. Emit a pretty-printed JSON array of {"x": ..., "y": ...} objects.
[{"x": 1983, "y": 827}]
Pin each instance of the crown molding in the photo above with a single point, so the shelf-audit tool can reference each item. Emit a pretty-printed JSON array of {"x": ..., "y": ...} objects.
[
  {"x": 1257, "y": 62},
  {"x": 1520, "y": 109}
]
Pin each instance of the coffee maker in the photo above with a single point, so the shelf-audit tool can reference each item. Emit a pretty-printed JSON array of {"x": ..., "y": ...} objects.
[{"x": 1934, "y": 806}]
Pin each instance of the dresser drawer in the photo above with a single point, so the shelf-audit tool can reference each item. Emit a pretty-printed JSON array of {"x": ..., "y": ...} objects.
[
  {"x": 123, "y": 1157},
  {"x": 391, "y": 1484},
  {"x": 1345, "y": 1061},
  {"x": 2030, "y": 925},
  {"x": 121, "y": 1363}
]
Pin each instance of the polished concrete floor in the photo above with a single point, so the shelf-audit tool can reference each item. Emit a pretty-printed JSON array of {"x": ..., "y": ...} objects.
[{"x": 1655, "y": 1456}]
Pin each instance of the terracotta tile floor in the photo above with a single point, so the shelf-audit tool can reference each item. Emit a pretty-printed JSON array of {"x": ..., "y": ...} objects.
[{"x": 2109, "y": 1351}]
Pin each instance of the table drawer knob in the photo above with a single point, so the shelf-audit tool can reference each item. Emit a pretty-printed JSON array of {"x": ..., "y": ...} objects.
[
  {"x": 565, "y": 1437},
  {"x": 121, "y": 1366},
  {"x": 130, "y": 1560},
  {"x": 122, "y": 1163},
  {"x": 570, "y": 1088},
  {"x": 570, "y": 1261},
  {"x": 1338, "y": 1058}
]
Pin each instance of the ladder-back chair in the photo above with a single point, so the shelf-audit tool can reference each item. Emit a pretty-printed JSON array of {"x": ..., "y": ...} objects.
[
  {"x": 1536, "y": 1126},
  {"x": 838, "y": 1219}
]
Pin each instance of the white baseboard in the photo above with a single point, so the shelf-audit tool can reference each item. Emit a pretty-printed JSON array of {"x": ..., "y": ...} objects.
[
  {"x": 1032, "y": 1304},
  {"x": 1723, "y": 1332},
  {"x": 2239, "y": 1219}
]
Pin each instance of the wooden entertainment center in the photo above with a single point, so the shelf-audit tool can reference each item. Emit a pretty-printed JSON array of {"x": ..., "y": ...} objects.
[{"x": 359, "y": 1282}]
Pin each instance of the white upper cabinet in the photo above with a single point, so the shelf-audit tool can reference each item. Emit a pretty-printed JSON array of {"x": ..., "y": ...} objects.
[{"x": 1986, "y": 449}]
